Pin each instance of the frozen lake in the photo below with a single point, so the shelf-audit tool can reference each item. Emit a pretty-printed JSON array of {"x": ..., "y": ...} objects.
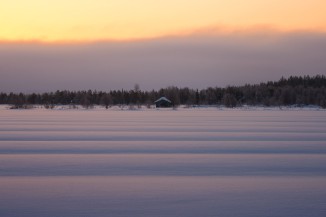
[{"x": 190, "y": 162}]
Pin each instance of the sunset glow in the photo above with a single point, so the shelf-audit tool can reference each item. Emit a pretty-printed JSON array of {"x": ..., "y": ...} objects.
[{"x": 82, "y": 20}]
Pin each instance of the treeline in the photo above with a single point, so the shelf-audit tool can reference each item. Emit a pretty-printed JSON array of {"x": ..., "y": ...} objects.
[{"x": 294, "y": 90}]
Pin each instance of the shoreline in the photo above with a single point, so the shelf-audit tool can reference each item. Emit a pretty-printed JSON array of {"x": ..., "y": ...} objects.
[{"x": 180, "y": 107}]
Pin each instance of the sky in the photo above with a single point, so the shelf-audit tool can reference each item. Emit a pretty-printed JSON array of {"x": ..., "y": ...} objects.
[{"x": 104, "y": 44}]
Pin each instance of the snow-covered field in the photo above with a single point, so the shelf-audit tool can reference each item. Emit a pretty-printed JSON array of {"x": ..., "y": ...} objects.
[{"x": 197, "y": 162}]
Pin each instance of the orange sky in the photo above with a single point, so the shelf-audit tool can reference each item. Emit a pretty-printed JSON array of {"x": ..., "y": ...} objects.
[{"x": 85, "y": 20}]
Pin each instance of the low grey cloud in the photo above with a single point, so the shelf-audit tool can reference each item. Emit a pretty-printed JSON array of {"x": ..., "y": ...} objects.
[{"x": 196, "y": 61}]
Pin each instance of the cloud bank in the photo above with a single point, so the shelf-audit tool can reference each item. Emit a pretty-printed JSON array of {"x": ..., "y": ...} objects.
[{"x": 196, "y": 61}]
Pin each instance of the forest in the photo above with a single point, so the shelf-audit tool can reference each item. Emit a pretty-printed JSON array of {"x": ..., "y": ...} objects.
[{"x": 294, "y": 90}]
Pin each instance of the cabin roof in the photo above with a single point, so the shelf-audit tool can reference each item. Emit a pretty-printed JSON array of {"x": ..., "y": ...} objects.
[{"x": 163, "y": 99}]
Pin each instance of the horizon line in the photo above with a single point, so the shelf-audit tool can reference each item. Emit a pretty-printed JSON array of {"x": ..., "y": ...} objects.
[
  {"x": 212, "y": 31},
  {"x": 170, "y": 86}
]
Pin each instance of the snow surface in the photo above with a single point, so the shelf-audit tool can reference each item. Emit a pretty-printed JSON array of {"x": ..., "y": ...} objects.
[{"x": 251, "y": 161}]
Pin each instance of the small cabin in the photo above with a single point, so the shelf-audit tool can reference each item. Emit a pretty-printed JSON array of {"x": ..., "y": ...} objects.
[{"x": 163, "y": 102}]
